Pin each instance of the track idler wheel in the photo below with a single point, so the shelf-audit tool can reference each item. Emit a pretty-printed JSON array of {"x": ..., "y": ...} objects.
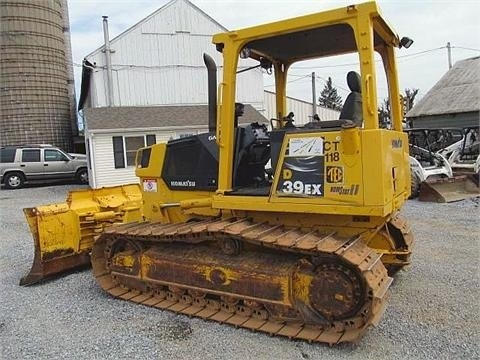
[
  {"x": 122, "y": 255},
  {"x": 336, "y": 291},
  {"x": 328, "y": 291}
]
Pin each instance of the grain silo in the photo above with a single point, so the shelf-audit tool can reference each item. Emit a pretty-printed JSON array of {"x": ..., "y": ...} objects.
[{"x": 36, "y": 76}]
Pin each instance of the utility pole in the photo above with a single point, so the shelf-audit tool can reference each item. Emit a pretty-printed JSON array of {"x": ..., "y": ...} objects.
[
  {"x": 314, "y": 96},
  {"x": 108, "y": 62},
  {"x": 449, "y": 50}
]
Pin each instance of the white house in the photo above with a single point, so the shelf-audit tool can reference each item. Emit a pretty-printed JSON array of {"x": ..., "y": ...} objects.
[{"x": 116, "y": 133}]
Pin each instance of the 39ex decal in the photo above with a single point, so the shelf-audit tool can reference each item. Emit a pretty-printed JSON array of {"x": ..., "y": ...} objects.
[{"x": 302, "y": 175}]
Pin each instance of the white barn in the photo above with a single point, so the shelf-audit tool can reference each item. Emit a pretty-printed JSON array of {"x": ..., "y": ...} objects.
[
  {"x": 159, "y": 75},
  {"x": 159, "y": 61}
]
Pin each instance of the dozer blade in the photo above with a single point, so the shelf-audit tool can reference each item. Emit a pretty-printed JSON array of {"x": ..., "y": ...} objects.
[
  {"x": 449, "y": 190},
  {"x": 63, "y": 234}
]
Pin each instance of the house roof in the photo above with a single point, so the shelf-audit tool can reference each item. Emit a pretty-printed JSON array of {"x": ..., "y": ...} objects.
[
  {"x": 124, "y": 33},
  {"x": 458, "y": 91},
  {"x": 157, "y": 117}
]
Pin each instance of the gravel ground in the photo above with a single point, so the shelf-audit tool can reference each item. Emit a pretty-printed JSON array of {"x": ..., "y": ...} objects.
[{"x": 433, "y": 311}]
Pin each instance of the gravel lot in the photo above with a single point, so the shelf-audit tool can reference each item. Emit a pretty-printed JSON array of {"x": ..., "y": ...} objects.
[{"x": 433, "y": 311}]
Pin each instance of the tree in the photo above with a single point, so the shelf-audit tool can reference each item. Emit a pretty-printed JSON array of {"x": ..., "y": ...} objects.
[
  {"x": 384, "y": 109},
  {"x": 384, "y": 114},
  {"x": 329, "y": 97},
  {"x": 410, "y": 98}
]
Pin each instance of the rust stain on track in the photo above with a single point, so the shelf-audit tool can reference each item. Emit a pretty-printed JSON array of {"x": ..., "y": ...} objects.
[{"x": 333, "y": 287}]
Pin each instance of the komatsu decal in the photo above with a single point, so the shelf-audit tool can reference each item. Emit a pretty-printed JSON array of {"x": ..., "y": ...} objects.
[
  {"x": 184, "y": 183},
  {"x": 397, "y": 143}
]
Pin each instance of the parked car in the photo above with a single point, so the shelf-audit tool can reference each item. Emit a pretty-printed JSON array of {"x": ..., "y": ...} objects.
[{"x": 27, "y": 163}]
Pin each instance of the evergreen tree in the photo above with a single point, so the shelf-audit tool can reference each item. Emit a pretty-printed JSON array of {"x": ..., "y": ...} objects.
[{"x": 329, "y": 97}]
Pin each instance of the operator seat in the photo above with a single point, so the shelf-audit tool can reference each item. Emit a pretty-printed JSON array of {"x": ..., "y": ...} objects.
[{"x": 352, "y": 108}]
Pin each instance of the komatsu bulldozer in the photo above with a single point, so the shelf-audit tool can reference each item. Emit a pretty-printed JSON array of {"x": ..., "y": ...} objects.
[{"x": 302, "y": 248}]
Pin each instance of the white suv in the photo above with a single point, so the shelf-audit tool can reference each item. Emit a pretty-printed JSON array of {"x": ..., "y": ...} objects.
[{"x": 20, "y": 164}]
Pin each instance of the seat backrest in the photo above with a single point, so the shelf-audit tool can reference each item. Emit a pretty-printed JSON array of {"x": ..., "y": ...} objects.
[{"x": 352, "y": 108}]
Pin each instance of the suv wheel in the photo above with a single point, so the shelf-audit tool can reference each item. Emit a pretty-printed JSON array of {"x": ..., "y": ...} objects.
[
  {"x": 82, "y": 176},
  {"x": 14, "y": 180}
]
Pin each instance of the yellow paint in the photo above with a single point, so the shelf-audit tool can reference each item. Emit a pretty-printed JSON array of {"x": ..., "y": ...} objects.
[
  {"x": 71, "y": 227},
  {"x": 123, "y": 260},
  {"x": 301, "y": 287}
]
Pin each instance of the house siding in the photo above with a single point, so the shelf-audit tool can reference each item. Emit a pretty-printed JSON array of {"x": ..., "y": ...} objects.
[{"x": 101, "y": 154}]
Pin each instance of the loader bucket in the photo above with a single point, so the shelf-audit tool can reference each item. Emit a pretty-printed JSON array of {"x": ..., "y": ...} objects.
[
  {"x": 63, "y": 234},
  {"x": 449, "y": 190}
]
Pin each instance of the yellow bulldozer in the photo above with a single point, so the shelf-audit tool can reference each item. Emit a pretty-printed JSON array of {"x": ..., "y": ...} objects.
[{"x": 303, "y": 248}]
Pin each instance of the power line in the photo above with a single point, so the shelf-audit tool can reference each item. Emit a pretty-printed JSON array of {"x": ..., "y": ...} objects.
[
  {"x": 291, "y": 81},
  {"x": 465, "y": 48},
  {"x": 357, "y": 63},
  {"x": 420, "y": 52},
  {"x": 333, "y": 84}
]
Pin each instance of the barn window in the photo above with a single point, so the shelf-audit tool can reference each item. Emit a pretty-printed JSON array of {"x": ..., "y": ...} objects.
[{"x": 125, "y": 148}]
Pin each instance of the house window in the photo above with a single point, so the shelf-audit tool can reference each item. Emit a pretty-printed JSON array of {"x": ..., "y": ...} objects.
[
  {"x": 125, "y": 148},
  {"x": 132, "y": 144}
]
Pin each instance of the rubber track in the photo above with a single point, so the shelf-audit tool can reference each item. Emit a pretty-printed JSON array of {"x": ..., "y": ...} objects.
[{"x": 352, "y": 250}]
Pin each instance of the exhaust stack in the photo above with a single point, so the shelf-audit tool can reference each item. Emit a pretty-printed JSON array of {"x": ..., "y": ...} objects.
[{"x": 212, "y": 92}]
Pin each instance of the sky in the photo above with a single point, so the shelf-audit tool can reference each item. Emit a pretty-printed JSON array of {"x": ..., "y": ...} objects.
[{"x": 431, "y": 24}]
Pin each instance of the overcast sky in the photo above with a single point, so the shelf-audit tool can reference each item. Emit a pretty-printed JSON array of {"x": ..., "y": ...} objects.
[{"x": 431, "y": 24}]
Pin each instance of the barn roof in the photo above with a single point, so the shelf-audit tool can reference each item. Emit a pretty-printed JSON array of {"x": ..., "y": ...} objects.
[
  {"x": 155, "y": 13},
  {"x": 458, "y": 91},
  {"x": 157, "y": 117}
]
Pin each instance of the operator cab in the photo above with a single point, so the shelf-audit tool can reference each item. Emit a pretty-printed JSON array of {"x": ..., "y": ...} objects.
[
  {"x": 298, "y": 149},
  {"x": 321, "y": 154}
]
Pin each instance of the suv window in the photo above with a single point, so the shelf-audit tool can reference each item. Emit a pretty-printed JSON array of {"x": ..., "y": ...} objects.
[
  {"x": 54, "y": 155},
  {"x": 30, "y": 155},
  {"x": 7, "y": 155}
]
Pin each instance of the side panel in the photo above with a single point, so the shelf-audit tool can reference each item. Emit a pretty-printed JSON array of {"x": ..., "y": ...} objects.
[
  {"x": 387, "y": 172},
  {"x": 317, "y": 168},
  {"x": 160, "y": 203},
  {"x": 348, "y": 171}
]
